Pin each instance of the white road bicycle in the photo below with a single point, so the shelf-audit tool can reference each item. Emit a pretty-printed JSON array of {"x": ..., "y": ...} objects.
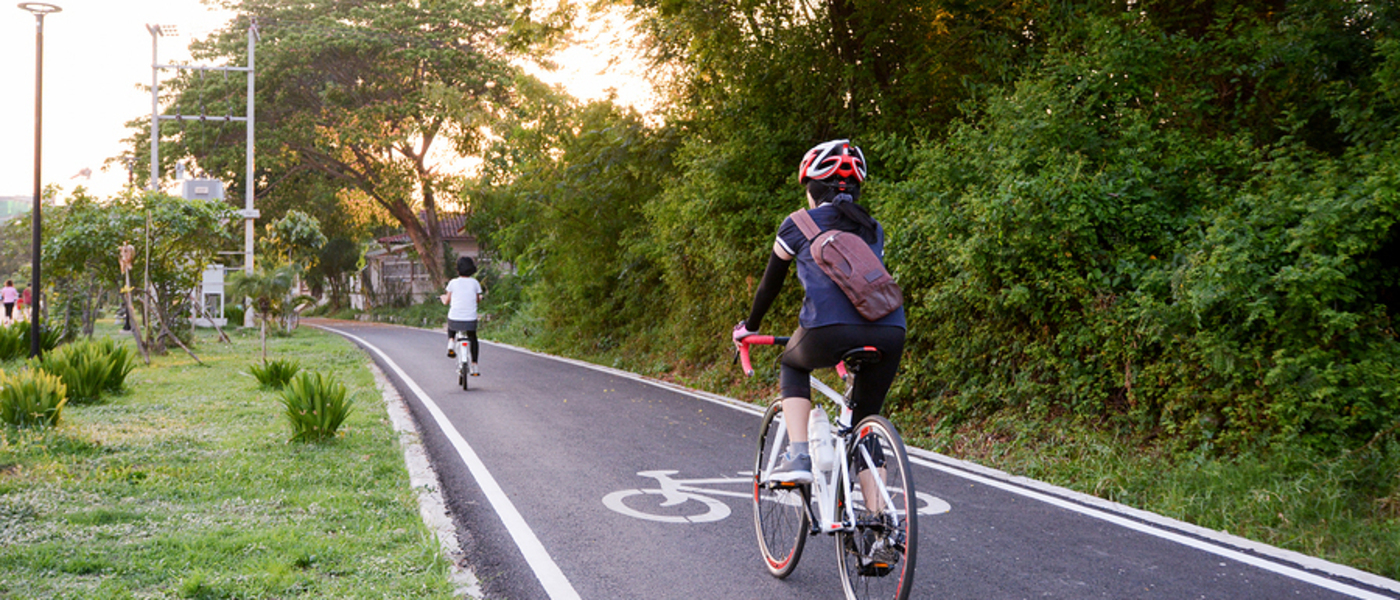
[
  {"x": 464, "y": 360},
  {"x": 862, "y": 491}
]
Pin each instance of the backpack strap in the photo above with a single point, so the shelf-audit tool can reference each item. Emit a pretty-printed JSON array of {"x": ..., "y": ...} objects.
[{"x": 805, "y": 223}]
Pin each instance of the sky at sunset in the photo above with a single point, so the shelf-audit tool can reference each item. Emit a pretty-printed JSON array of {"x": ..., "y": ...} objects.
[{"x": 97, "y": 53}]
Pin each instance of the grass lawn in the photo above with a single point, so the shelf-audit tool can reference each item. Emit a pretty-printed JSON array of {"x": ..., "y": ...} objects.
[{"x": 186, "y": 487}]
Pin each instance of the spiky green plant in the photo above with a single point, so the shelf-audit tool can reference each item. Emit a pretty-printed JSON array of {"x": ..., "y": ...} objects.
[
  {"x": 12, "y": 342},
  {"x": 316, "y": 406},
  {"x": 49, "y": 336},
  {"x": 275, "y": 374},
  {"x": 31, "y": 398},
  {"x": 84, "y": 368},
  {"x": 123, "y": 362}
]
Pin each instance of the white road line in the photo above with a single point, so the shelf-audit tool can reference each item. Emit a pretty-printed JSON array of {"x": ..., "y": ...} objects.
[
  {"x": 1199, "y": 544},
  {"x": 1221, "y": 544},
  {"x": 549, "y": 574}
]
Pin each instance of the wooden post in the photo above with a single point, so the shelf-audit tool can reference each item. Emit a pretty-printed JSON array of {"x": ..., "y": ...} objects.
[{"x": 126, "y": 256}]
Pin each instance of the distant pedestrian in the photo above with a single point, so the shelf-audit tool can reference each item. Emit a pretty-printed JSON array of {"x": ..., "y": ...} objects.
[
  {"x": 24, "y": 303},
  {"x": 9, "y": 295}
]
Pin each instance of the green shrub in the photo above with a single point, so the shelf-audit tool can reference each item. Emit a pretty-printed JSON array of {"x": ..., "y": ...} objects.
[
  {"x": 14, "y": 339},
  {"x": 84, "y": 368},
  {"x": 275, "y": 374},
  {"x": 31, "y": 398},
  {"x": 122, "y": 360},
  {"x": 316, "y": 406},
  {"x": 12, "y": 342},
  {"x": 49, "y": 336}
]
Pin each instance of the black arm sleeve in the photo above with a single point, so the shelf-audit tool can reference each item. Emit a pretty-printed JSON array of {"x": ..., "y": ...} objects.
[{"x": 768, "y": 289}]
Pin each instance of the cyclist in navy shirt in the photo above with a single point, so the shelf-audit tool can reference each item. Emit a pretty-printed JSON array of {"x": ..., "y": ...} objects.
[{"x": 828, "y": 325}]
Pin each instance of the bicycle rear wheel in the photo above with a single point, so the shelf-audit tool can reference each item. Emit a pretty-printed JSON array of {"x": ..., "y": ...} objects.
[
  {"x": 877, "y": 558},
  {"x": 779, "y": 509}
]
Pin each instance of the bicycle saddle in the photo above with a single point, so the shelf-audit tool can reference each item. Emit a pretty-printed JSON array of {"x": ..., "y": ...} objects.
[{"x": 865, "y": 355}]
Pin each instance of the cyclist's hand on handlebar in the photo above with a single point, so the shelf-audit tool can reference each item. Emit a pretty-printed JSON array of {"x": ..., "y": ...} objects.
[
  {"x": 741, "y": 331},
  {"x": 741, "y": 348}
]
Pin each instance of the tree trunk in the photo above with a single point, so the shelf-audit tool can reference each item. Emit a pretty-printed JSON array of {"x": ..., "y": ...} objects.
[
  {"x": 426, "y": 241},
  {"x": 135, "y": 331}
]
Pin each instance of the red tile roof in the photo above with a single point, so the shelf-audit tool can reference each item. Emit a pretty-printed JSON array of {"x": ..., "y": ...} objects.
[{"x": 450, "y": 226}]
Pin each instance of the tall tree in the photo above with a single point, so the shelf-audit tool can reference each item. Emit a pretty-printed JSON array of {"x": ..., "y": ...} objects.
[{"x": 384, "y": 98}]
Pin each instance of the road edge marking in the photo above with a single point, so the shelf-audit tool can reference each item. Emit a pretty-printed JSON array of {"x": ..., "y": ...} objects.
[
  {"x": 423, "y": 479},
  {"x": 548, "y": 573}
]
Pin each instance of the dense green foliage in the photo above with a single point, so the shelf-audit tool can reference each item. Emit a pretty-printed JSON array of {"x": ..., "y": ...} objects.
[
  {"x": 12, "y": 344},
  {"x": 1174, "y": 221},
  {"x": 174, "y": 239},
  {"x": 572, "y": 220},
  {"x": 15, "y": 339},
  {"x": 1191, "y": 233},
  {"x": 294, "y": 238}
]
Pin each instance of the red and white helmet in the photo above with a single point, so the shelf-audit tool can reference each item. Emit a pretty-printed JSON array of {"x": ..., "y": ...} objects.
[{"x": 836, "y": 159}]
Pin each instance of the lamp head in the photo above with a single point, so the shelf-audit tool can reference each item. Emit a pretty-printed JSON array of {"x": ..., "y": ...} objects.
[
  {"x": 40, "y": 8},
  {"x": 163, "y": 30}
]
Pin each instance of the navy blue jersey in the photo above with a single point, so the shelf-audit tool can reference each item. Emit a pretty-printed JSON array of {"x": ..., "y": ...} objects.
[{"x": 825, "y": 303}]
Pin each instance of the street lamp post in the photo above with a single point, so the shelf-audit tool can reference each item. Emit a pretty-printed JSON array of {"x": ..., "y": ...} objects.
[{"x": 39, "y": 10}]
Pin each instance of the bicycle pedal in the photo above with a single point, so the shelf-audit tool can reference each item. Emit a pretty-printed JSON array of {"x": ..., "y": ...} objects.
[{"x": 875, "y": 570}]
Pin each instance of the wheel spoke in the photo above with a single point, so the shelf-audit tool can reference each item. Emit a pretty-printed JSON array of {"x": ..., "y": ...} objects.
[
  {"x": 780, "y": 514},
  {"x": 877, "y": 558}
]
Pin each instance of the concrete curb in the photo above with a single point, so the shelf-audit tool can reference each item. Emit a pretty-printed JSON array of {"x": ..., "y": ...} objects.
[{"x": 424, "y": 480}]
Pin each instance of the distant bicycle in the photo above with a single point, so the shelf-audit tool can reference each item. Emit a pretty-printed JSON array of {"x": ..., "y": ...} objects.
[
  {"x": 862, "y": 491},
  {"x": 464, "y": 361}
]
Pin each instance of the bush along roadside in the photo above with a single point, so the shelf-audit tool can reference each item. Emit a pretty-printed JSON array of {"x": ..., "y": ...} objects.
[
  {"x": 316, "y": 407},
  {"x": 275, "y": 374},
  {"x": 90, "y": 369},
  {"x": 31, "y": 398}
]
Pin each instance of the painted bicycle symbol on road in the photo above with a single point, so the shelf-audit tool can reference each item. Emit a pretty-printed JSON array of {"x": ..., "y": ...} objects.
[{"x": 690, "y": 501}]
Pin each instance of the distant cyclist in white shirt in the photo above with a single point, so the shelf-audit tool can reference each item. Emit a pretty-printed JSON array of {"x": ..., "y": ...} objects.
[{"x": 463, "y": 294}]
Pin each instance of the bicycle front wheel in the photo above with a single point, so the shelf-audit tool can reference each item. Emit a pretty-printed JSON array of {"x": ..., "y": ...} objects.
[
  {"x": 877, "y": 557},
  {"x": 779, "y": 509}
]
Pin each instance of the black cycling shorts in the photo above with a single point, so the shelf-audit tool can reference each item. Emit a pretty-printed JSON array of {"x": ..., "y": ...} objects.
[
  {"x": 460, "y": 326},
  {"x": 822, "y": 347}
]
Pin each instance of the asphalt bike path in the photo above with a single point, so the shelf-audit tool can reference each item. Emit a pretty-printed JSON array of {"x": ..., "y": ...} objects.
[{"x": 568, "y": 480}]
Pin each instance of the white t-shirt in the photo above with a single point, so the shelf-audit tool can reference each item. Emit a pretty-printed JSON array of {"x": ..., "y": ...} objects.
[{"x": 464, "y": 291}]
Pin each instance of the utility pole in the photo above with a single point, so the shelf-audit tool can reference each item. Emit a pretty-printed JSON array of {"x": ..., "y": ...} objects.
[{"x": 249, "y": 213}]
